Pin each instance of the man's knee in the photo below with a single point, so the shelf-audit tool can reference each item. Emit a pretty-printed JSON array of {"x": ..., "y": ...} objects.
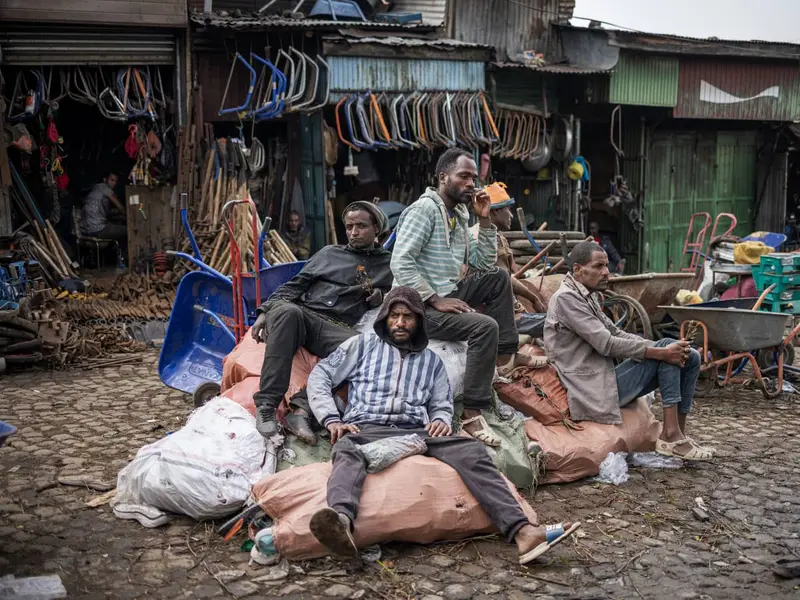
[
  {"x": 483, "y": 326},
  {"x": 664, "y": 342},
  {"x": 284, "y": 312},
  {"x": 694, "y": 359}
]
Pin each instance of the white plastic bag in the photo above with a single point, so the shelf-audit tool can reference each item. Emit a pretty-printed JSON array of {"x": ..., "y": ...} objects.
[
  {"x": 613, "y": 469},
  {"x": 204, "y": 470},
  {"x": 453, "y": 354}
]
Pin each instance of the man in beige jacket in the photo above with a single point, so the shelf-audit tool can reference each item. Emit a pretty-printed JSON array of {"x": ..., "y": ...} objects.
[{"x": 583, "y": 343}]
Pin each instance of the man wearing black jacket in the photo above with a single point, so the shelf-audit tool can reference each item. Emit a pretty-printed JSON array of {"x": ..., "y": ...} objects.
[{"x": 318, "y": 309}]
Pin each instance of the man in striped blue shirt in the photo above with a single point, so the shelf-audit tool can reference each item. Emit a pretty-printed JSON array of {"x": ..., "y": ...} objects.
[
  {"x": 399, "y": 387},
  {"x": 436, "y": 255}
]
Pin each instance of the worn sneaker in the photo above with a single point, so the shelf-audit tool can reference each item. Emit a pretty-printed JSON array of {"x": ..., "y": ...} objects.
[{"x": 266, "y": 424}]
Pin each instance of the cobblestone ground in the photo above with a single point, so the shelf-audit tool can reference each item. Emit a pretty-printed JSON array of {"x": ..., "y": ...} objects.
[{"x": 639, "y": 540}]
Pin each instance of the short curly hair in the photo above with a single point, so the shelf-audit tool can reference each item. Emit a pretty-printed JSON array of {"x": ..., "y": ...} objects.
[{"x": 449, "y": 158}]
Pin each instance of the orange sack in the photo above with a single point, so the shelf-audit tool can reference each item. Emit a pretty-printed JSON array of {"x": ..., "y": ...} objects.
[
  {"x": 418, "y": 499},
  {"x": 572, "y": 455}
]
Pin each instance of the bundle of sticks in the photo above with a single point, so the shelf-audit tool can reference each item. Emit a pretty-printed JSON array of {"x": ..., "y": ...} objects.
[
  {"x": 20, "y": 343},
  {"x": 224, "y": 178}
]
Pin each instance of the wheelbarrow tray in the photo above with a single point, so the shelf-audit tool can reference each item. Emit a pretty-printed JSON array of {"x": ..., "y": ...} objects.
[
  {"x": 734, "y": 329},
  {"x": 194, "y": 344},
  {"x": 652, "y": 290},
  {"x": 271, "y": 279}
]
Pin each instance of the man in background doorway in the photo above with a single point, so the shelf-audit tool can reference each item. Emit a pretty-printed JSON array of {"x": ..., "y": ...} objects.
[
  {"x": 297, "y": 237},
  {"x": 97, "y": 211},
  {"x": 615, "y": 262}
]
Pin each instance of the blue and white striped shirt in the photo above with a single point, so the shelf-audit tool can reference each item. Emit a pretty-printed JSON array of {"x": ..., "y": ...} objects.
[{"x": 385, "y": 388}]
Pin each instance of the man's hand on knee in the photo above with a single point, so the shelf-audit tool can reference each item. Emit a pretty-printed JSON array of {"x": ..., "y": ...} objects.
[
  {"x": 675, "y": 354},
  {"x": 339, "y": 430},
  {"x": 449, "y": 305},
  {"x": 259, "y": 328},
  {"x": 438, "y": 429}
]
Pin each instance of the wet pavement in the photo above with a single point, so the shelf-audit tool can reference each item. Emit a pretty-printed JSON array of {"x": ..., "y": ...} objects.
[{"x": 639, "y": 540}]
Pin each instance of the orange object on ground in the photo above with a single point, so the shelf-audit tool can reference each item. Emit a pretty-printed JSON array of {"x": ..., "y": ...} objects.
[{"x": 418, "y": 499}]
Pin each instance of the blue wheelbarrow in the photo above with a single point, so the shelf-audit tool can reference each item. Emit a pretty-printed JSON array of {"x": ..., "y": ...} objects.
[{"x": 202, "y": 325}]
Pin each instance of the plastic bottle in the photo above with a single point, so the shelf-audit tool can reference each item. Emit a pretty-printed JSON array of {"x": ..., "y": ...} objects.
[{"x": 264, "y": 551}]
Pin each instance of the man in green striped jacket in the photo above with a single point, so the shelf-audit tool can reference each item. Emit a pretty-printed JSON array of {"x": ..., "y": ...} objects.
[{"x": 455, "y": 275}]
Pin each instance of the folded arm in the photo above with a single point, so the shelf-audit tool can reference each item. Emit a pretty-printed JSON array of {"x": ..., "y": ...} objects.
[
  {"x": 577, "y": 316},
  {"x": 329, "y": 374},
  {"x": 483, "y": 253}
]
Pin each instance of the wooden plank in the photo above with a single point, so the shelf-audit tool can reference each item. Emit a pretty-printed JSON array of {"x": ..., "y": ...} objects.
[
  {"x": 165, "y": 13},
  {"x": 147, "y": 234}
]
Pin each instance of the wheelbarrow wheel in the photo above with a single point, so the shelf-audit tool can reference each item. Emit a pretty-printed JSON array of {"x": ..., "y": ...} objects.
[
  {"x": 766, "y": 357},
  {"x": 705, "y": 384},
  {"x": 205, "y": 392}
]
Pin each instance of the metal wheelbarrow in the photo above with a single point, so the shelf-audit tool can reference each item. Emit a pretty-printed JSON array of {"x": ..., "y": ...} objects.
[{"x": 731, "y": 336}]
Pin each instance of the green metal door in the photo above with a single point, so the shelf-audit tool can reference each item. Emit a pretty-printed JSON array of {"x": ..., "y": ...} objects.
[{"x": 687, "y": 173}]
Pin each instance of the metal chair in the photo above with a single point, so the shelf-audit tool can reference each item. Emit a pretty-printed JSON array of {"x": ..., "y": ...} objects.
[{"x": 89, "y": 241}]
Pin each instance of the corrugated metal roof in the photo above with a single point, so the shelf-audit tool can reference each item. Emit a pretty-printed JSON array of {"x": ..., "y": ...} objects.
[
  {"x": 555, "y": 69},
  {"x": 394, "y": 40},
  {"x": 433, "y": 11},
  {"x": 713, "y": 89},
  {"x": 645, "y": 80},
  {"x": 361, "y": 74},
  {"x": 260, "y": 23}
]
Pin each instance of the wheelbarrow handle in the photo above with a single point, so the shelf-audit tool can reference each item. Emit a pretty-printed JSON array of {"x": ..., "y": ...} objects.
[
  {"x": 387, "y": 245},
  {"x": 199, "y": 264},
  {"x": 216, "y": 318},
  {"x": 187, "y": 227}
]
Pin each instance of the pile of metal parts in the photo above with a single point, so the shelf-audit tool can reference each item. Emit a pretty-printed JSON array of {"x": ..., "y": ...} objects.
[
  {"x": 417, "y": 120},
  {"x": 20, "y": 342},
  {"x": 295, "y": 82},
  {"x": 120, "y": 94}
]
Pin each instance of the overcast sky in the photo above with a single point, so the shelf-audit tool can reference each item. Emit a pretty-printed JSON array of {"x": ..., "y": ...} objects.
[{"x": 769, "y": 20}]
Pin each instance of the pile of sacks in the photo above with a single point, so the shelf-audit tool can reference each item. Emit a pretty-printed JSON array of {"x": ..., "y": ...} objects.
[{"x": 289, "y": 482}]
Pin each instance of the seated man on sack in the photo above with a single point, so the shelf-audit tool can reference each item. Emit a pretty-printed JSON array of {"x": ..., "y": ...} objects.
[
  {"x": 435, "y": 255},
  {"x": 583, "y": 343},
  {"x": 399, "y": 387},
  {"x": 318, "y": 309}
]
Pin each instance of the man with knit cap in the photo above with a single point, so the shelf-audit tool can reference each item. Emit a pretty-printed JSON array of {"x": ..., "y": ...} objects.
[
  {"x": 318, "y": 309},
  {"x": 397, "y": 386}
]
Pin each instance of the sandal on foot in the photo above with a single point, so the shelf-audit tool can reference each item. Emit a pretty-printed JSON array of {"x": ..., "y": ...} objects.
[
  {"x": 524, "y": 360},
  {"x": 332, "y": 530},
  {"x": 554, "y": 534},
  {"x": 696, "y": 453},
  {"x": 484, "y": 434}
]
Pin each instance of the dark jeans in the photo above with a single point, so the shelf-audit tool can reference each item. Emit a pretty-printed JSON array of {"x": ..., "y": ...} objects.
[
  {"x": 290, "y": 326},
  {"x": 466, "y": 455},
  {"x": 677, "y": 384},
  {"x": 112, "y": 231},
  {"x": 487, "y": 335}
]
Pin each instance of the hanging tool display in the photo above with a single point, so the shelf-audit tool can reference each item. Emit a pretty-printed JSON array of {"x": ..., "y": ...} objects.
[
  {"x": 294, "y": 82},
  {"x": 428, "y": 120}
]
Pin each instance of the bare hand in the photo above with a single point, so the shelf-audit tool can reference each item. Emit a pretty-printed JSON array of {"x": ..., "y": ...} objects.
[
  {"x": 259, "y": 329},
  {"x": 339, "y": 430},
  {"x": 438, "y": 429},
  {"x": 375, "y": 299},
  {"x": 450, "y": 305},
  {"x": 677, "y": 353},
  {"x": 481, "y": 204}
]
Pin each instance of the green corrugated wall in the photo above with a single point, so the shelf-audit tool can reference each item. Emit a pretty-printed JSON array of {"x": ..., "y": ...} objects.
[
  {"x": 712, "y": 172},
  {"x": 644, "y": 80}
]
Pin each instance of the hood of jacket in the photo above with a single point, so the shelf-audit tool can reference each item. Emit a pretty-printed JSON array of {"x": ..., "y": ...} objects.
[
  {"x": 460, "y": 212},
  {"x": 412, "y": 299}
]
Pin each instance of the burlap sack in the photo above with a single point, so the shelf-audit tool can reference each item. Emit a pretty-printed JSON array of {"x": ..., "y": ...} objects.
[
  {"x": 544, "y": 290},
  {"x": 418, "y": 499},
  {"x": 241, "y": 372},
  {"x": 573, "y": 455},
  {"x": 536, "y": 393}
]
